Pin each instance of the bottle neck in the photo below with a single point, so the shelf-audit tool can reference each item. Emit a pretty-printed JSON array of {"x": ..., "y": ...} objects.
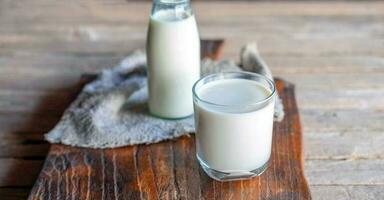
[
  {"x": 172, "y": 9},
  {"x": 171, "y": 1}
]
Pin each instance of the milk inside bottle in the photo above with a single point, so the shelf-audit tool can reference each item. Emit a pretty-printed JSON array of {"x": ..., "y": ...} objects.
[{"x": 173, "y": 57}]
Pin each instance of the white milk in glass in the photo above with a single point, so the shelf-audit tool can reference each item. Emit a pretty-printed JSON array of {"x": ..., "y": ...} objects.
[
  {"x": 233, "y": 132},
  {"x": 173, "y": 55}
]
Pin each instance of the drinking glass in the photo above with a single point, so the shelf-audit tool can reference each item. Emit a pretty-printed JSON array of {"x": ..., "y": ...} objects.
[{"x": 233, "y": 141}]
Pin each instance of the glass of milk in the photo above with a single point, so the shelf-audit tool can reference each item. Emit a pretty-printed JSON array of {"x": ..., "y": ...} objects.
[
  {"x": 173, "y": 57},
  {"x": 234, "y": 123}
]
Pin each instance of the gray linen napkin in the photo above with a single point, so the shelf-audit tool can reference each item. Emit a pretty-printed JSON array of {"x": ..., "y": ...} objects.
[{"x": 112, "y": 111}]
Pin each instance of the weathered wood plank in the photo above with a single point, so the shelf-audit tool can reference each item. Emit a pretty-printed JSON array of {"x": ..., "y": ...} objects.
[
  {"x": 24, "y": 151},
  {"x": 117, "y": 8},
  {"x": 341, "y": 99},
  {"x": 337, "y": 81},
  {"x": 348, "y": 192},
  {"x": 348, "y": 172},
  {"x": 20, "y": 137},
  {"x": 278, "y": 30},
  {"x": 35, "y": 62},
  {"x": 93, "y": 28},
  {"x": 48, "y": 64},
  {"x": 347, "y": 145},
  {"x": 55, "y": 82},
  {"x": 16, "y": 101},
  {"x": 19, "y": 172},
  {"x": 270, "y": 47},
  {"x": 315, "y": 120},
  {"x": 308, "y": 47},
  {"x": 320, "y": 65},
  {"x": 39, "y": 123}
]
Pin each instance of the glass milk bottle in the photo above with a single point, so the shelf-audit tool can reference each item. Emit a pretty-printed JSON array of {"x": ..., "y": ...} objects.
[{"x": 173, "y": 57}]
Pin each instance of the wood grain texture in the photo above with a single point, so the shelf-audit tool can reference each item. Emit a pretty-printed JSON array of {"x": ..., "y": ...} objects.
[{"x": 169, "y": 170}]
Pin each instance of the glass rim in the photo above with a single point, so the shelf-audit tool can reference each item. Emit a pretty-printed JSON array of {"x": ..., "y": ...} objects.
[{"x": 229, "y": 75}]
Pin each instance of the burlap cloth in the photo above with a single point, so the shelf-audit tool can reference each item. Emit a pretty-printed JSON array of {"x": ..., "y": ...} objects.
[{"x": 112, "y": 111}]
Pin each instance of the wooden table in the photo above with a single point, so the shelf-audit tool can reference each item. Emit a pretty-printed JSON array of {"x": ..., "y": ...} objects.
[{"x": 332, "y": 51}]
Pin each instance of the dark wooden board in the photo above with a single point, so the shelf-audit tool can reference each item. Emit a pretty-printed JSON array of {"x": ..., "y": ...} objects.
[{"x": 169, "y": 170}]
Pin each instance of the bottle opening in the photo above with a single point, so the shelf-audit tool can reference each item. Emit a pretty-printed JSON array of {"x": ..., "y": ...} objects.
[{"x": 171, "y": 1}]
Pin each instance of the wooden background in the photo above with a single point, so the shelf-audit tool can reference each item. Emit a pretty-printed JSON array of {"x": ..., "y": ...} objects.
[{"x": 332, "y": 51}]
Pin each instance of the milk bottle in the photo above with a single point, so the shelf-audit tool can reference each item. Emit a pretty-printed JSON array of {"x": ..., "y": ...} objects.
[{"x": 173, "y": 56}]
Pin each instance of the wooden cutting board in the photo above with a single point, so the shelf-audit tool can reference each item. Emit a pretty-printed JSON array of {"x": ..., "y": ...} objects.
[{"x": 169, "y": 170}]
